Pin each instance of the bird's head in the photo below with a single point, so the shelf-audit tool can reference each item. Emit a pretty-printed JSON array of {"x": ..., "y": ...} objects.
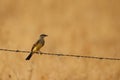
[{"x": 43, "y": 35}]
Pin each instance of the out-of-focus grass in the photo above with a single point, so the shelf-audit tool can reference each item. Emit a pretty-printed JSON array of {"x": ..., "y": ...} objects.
[{"x": 74, "y": 27}]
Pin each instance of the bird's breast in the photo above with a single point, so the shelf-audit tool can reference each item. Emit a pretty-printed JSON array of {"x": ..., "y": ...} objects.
[{"x": 37, "y": 47}]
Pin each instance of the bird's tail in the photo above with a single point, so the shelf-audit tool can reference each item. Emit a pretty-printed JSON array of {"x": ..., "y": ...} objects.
[{"x": 29, "y": 56}]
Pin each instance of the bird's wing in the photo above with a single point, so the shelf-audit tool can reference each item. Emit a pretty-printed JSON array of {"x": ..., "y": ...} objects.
[{"x": 34, "y": 45}]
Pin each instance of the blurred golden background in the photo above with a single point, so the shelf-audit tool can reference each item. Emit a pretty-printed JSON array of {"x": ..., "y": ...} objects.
[{"x": 82, "y": 27}]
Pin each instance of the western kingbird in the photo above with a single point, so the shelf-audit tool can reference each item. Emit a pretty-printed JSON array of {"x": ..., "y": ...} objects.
[{"x": 36, "y": 47}]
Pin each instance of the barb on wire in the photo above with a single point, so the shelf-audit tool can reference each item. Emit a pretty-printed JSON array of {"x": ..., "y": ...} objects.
[{"x": 69, "y": 55}]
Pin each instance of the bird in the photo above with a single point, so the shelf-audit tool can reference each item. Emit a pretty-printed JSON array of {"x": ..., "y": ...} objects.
[{"x": 37, "y": 46}]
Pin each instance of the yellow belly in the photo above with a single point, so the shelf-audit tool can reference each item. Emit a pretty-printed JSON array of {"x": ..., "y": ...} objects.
[{"x": 37, "y": 47}]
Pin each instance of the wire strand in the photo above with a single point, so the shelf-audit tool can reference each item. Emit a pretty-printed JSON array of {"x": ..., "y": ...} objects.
[{"x": 68, "y": 55}]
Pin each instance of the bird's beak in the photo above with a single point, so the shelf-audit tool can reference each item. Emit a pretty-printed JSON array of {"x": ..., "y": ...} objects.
[{"x": 46, "y": 35}]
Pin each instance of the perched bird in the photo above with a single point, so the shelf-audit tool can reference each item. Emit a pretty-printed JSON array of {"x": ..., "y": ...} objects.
[{"x": 37, "y": 46}]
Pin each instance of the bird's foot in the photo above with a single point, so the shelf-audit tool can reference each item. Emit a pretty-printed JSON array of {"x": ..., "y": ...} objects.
[{"x": 39, "y": 52}]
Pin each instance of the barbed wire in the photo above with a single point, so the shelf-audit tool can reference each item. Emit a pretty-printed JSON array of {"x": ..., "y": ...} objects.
[{"x": 69, "y": 55}]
